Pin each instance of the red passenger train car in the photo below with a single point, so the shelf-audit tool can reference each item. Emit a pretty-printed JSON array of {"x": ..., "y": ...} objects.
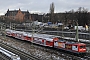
[
  {"x": 48, "y": 40},
  {"x": 78, "y": 48}
]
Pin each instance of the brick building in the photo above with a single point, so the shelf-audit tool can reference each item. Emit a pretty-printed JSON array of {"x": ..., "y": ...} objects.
[{"x": 18, "y": 15}]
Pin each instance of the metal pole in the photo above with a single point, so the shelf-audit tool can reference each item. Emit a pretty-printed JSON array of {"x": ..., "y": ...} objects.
[
  {"x": 32, "y": 32},
  {"x": 77, "y": 33}
]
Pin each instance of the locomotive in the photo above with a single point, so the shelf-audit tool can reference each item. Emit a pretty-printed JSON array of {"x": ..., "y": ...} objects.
[{"x": 48, "y": 40}]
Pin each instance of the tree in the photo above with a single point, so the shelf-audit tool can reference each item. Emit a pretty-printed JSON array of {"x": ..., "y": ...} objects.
[
  {"x": 82, "y": 16},
  {"x": 52, "y": 12}
]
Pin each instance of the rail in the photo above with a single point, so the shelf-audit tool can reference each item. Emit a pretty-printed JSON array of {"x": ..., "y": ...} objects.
[
  {"x": 9, "y": 54},
  {"x": 18, "y": 52}
]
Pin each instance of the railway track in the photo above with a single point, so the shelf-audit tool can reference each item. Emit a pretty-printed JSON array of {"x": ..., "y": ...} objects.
[
  {"x": 4, "y": 57},
  {"x": 23, "y": 54}
]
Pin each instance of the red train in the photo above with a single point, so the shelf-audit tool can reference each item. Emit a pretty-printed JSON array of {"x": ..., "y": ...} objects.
[{"x": 48, "y": 40}]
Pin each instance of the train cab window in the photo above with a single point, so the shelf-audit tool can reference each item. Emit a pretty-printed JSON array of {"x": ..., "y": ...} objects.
[
  {"x": 76, "y": 46},
  {"x": 82, "y": 46}
]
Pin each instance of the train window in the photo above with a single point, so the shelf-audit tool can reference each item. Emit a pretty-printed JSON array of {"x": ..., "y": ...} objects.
[
  {"x": 76, "y": 46},
  {"x": 48, "y": 42},
  {"x": 82, "y": 46}
]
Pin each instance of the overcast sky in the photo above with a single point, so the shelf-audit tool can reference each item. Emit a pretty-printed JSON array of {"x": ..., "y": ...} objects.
[{"x": 42, "y": 5}]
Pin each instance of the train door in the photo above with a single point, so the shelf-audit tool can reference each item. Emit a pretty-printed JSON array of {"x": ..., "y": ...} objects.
[
  {"x": 44, "y": 42},
  {"x": 55, "y": 44},
  {"x": 22, "y": 36},
  {"x": 29, "y": 38},
  {"x": 35, "y": 40},
  {"x": 17, "y": 35},
  {"x": 40, "y": 41}
]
